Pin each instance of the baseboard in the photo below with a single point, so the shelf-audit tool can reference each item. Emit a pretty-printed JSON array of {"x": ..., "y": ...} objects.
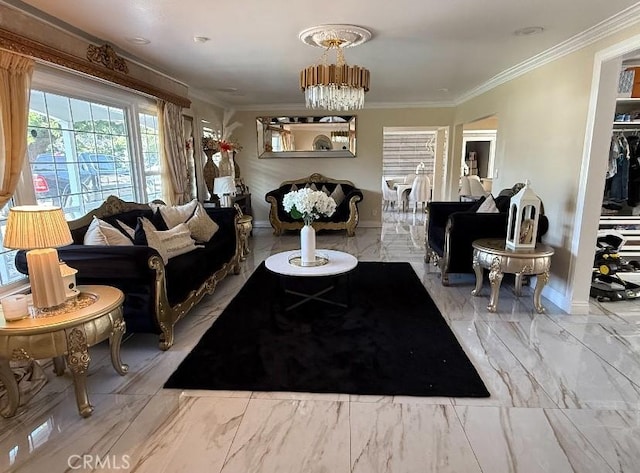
[
  {"x": 363, "y": 224},
  {"x": 564, "y": 303}
]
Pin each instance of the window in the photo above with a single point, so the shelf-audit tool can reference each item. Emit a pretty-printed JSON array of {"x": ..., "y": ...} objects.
[
  {"x": 403, "y": 151},
  {"x": 79, "y": 152},
  {"x": 151, "y": 155},
  {"x": 85, "y": 141},
  {"x": 8, "y": 272}
]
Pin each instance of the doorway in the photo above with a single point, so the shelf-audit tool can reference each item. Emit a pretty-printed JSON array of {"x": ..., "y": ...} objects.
[
  {"x": 602, "y": 105},
  {"x": 479, "y": 150}
]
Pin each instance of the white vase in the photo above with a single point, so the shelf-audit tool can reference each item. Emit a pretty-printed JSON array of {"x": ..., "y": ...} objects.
[{"x": 308, "y": 245}]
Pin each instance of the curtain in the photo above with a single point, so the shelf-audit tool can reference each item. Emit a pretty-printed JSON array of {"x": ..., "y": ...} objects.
[
  {"x": 174, "y": 154},
  {"x": 15, "y": 87}
]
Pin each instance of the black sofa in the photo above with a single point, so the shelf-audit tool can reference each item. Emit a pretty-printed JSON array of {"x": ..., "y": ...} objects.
[
  {"x": 344, "y": 218},
  {"x": 156, "y": 295},
  {"x": 452, "y": 227}
]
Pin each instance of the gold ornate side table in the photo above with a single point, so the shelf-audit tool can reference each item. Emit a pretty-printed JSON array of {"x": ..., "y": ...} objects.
[
  {"x": 65, "y": 334},
  {"x": 490, "y": 253}
]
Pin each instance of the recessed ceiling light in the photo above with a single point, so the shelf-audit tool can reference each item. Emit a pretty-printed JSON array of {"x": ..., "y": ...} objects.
[
  {"x": 528, "y": 31},
  {"x": 200, "y": 39},
  {"x": 138, "y": 40},
  {"x": 228, "y": 90},
  {"x": 443, "y": 89}
]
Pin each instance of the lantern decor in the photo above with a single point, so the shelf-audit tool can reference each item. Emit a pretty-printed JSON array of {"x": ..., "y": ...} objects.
[{"x": 524, "y": 213}]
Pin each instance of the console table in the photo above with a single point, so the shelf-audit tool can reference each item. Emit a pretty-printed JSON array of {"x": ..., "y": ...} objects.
[
  {"x": 68, "y": 333},
  {"x": 492, "y": 254}
]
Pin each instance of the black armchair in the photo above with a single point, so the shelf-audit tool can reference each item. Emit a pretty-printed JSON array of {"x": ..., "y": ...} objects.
[{"x": 452, "y": 227}]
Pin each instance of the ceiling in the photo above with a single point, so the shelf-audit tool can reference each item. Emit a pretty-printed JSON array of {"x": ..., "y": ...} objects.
[{"x": 421, "y": 51}]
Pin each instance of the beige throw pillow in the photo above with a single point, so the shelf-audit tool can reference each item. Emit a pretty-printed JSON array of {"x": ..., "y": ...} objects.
[
  {"x": 488, "y": 206},
  {"x": 103, "y": 233},
  {"x": 338, "y": 194},
  {"x": 201, "y": 226},
  {"x": 169, "y": 243},
  {"x": 176, "y": 214},
  {"x": 130, "y": 231}
]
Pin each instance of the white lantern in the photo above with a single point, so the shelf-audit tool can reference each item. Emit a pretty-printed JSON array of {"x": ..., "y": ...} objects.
[
  {"x": 524, "y": 213},
  {"x": 69, "y": 279}
]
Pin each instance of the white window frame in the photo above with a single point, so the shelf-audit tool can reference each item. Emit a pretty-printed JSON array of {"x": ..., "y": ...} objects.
[{"x": 57, "y": 81}]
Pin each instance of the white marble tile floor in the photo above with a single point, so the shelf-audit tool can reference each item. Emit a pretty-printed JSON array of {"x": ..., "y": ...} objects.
[{"x": 565, "y": 394}]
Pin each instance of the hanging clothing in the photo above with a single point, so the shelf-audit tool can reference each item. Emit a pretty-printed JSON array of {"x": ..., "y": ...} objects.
[{"x": 619, "y": 168}]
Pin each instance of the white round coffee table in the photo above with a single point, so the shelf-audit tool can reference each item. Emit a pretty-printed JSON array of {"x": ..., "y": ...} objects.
[{"x": 338, "y": 263}]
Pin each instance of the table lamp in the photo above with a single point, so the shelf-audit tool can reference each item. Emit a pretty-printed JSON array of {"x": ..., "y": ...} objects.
[
  {"x": 224, "y": 187},
  {"x": 40, "y": 229}
]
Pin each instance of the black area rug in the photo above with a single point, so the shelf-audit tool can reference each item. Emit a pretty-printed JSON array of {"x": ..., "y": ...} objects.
[{"x": 391, "y": 340}]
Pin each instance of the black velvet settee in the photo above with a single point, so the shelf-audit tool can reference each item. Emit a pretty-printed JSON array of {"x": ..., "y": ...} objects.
[
  {"x": 452, "y": 227},
  {"x": 157, "y": 295},
  {"x": 345, "y": 193}
]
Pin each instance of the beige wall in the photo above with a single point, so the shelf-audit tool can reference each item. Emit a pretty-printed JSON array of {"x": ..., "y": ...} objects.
[
  {"x": 542, "y": 125},
  {"x": 542, "y": 128},
  {"x": 365, "y": 170}
]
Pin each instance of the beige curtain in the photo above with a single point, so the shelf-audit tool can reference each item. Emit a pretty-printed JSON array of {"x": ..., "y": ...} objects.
[
  {"x": 15, "y": 86},
  {"x": 174, "y": 154}
]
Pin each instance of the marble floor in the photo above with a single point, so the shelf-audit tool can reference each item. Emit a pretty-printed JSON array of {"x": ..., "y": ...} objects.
[{"x": 565, "y": 395}]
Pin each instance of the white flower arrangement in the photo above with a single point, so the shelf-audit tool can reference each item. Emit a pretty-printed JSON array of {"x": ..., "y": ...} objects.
[{"x": 308, "y": 204}]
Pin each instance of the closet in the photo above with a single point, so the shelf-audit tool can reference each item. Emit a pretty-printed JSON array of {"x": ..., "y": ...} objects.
[{"x": 621, "y": 200}]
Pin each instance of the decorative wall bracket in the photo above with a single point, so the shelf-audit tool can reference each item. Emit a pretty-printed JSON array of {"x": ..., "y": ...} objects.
[{"x": 107, "y": 56}]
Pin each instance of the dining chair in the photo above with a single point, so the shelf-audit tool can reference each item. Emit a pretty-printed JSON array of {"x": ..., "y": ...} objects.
[
  {"x": 420, "y": 192},
  {"x": 389, "y": 195},
  {"x": 471, "y": 188}
]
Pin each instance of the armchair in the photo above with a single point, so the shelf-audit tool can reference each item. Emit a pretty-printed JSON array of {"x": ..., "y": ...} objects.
[{"x": 452, "y": 227}]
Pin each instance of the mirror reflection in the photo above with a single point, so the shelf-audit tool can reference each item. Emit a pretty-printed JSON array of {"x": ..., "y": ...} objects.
[{"x": 307, "y": 137}]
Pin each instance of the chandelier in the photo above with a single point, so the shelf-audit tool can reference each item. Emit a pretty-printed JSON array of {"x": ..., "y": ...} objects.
[{"x": 334, "y": 86}]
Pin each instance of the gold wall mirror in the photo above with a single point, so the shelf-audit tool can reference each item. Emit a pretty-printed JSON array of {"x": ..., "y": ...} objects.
[{"x": 329, "y": 136}]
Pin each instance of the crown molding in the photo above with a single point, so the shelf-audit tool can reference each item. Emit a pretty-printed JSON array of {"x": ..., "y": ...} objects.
[
  {"x": 202, "y": 96},
  {"x": 427, "y": 104},
  {"x": 608, "y": 27},
  {"x": 52, "y": 56},
  {"x": 299, "y": 107},
  {"x": 71, "y": 30}
]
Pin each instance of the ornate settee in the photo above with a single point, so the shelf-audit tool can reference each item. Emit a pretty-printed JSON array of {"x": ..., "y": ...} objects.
[
  {"x": 157, "y": 295},
  {"x": 453, "y": 226},
  {"x": 344, "y": 193}
]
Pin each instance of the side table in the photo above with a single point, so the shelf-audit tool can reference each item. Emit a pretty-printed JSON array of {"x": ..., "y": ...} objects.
[
  {"x": 67, "y": 332},
  {"x": 491, "y": 253}
]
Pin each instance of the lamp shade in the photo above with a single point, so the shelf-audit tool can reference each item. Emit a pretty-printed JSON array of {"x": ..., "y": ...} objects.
[
  {"x": 224, "y": 185},
  {"x": 32, "y": 227}
]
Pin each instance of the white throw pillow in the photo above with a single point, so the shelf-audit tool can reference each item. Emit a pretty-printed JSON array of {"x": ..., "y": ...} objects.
[
  {"x": 102, "y": 233},
  {"x": 168, "y": 243},
  {"x": 325, "y": 190},
  {"x": 488, "y": 206},
  {"x": 201, "y": 226},
  {"x": 176, "y": 214},
  {"x": 338, "y": 195}
]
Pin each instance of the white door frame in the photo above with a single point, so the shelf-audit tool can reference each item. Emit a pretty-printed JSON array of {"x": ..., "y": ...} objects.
[
  {"x": 606, "y": 69},
  {"x": 480, "y": 135}
]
